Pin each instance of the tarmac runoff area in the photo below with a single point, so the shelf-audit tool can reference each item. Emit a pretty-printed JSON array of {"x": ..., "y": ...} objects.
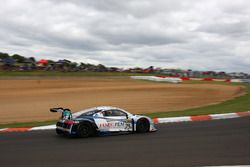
[{"x": 224, "y": 142}]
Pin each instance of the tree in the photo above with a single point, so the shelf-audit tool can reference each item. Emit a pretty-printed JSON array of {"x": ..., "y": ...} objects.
[
  {"x": 101, "y": 68},
  {"x": 33, "y": 59},
  {"x": 51, "y": 61},
  {"x": 4, "y": 55},
  {"x": 73, "y": 64},
  {"x": 18, "y": 58}
]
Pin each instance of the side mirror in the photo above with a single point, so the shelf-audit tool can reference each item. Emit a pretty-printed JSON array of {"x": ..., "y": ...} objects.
[{"x": 127, "y": 116}]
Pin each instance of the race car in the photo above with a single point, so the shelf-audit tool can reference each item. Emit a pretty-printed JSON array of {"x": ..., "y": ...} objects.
[{"x": 99, "y": 120}]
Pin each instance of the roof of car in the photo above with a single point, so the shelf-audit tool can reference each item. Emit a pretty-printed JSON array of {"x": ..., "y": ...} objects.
[
  {"x": 101, "y": 108},
  {"x": 105, "y": 107}
]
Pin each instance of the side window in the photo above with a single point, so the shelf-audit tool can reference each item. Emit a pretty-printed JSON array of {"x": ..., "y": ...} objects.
[
  {"x": 114, "y": 113},
  {"x": 107, "y": 113}
]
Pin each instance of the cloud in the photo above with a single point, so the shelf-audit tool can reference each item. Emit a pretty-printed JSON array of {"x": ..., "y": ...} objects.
[{"x": 202, "y": 35}]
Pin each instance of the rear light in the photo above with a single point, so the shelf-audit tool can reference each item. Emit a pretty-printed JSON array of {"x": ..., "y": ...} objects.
[{"x": 69, "y": 122}]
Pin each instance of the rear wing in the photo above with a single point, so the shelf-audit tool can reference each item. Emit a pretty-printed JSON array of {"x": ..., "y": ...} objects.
[
  {"x": 60, "y": 109},
  {"x": 66, "y": 113}
]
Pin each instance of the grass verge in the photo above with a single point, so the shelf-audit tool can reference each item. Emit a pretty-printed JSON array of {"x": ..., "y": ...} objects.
[
  {"x": 237, "y": 104},
  {"x": 27, "y": 124}
]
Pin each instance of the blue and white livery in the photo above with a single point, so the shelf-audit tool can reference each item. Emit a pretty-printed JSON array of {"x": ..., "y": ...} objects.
[{"x": 101, "y": 119}]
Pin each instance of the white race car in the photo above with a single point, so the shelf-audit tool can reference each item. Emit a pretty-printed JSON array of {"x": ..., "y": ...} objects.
[{"x": 101, "y": 119}]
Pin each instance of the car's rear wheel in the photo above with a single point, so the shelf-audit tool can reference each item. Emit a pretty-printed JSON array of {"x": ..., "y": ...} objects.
[
  {"x": 59, "y": 132},
  {"x": 85, "y": 130},
  {"x": 142, "y": 125}
]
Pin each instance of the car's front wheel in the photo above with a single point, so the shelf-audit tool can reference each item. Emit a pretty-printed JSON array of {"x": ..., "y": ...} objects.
[
  {"x": 85, "y": 130},
  {"x": 59, "y": 132},
  {"x": 142, "y": 125}
]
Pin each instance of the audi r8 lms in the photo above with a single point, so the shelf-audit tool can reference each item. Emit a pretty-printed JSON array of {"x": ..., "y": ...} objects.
[{"x": 102, "y": 119}]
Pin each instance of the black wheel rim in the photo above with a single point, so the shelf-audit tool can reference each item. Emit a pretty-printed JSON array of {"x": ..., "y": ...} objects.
[
  {"x": 84, "y": 130},
  {"x": 143, "y": 126}
]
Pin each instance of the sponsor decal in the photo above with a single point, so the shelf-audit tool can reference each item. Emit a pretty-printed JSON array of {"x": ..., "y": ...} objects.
[
  {"x": 119, "y": 124},
  {"x": 126, "y": 125},
  {"x": 105, "y": 125}
]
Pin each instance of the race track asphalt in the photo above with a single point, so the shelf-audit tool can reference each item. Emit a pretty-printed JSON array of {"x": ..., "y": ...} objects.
[{"x": 218, "y": 142}]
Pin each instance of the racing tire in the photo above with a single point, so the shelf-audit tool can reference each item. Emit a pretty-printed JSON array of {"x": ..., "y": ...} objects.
[
  {"x": 142, "y": 125},
  {"x": 59, "y": 132},
  {"x": 85, "y": 130}
]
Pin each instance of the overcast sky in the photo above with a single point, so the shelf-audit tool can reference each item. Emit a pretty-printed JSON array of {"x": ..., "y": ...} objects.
[{"x": 186, "y": 34}]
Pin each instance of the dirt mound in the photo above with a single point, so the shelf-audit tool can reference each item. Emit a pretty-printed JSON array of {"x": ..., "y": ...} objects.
[{"x": 30, "y": 99}]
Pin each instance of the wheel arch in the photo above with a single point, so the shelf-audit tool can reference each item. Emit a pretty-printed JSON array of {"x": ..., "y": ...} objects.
[
  {"x": 91, "y": 123},
  {"x": 143, "y": 119}
]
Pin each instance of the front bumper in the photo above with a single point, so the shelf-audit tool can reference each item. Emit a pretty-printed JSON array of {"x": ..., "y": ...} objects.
[{"x": 152, "y": 128}]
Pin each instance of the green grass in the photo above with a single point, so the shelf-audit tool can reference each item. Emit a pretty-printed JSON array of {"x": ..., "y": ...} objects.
[
  {"x": 63, "y": 74},
  {"x": 237, "y": 104},
  {"x": 27, "y": 124}
]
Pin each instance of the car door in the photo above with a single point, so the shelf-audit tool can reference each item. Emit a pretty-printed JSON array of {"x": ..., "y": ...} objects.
[
  {"x": 119, "y": 120},
  {"x": 101, "y": 122},
  {"x": 113, "y": 120}
]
